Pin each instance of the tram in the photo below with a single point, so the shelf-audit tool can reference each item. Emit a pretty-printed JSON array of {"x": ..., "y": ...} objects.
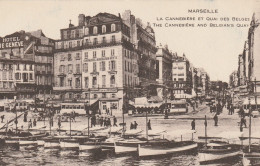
[{"x": 78, "y": 108}]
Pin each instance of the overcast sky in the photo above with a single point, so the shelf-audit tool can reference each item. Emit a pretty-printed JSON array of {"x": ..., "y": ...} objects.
[{"x": 215, "y": 49}]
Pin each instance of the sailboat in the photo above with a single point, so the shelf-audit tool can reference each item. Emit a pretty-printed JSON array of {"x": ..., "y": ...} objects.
[{"x": 219, "y": 148}]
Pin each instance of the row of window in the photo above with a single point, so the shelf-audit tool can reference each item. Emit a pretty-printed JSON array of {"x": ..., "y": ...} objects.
[
  {"x": 89, "y": 30},
  {"x": 25, "y": 67},
  {"x": 6, "y": 66},
  {"x": 4, "y": 74},
  {"x": 6, "y": 85},
  {"x": 25, "y": 77},
  {"x": 92, "y": 96},
  {"x": 86, "y": 80},
  {"x": 69, "y": 68},
  {"x": 103, "y": 54},
  {"x": 69, "y": 57}
]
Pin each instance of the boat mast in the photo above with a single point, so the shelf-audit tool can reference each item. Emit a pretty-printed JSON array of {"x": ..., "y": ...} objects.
[
  {"x": 205, "y": 123},
  {"x": 249, "y": 149},
  {"x": 123, "y": 122},
  {"x": 146, "y": 126},
  {"x": 88, "y": 109},
  {"x": 255, "y": 96},
  {"x": 15, "y": 115},
  {"x": 70, "y": 125}
]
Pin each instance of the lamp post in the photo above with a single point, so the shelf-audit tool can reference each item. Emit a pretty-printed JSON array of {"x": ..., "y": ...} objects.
[{"x": 255, "y": 96}]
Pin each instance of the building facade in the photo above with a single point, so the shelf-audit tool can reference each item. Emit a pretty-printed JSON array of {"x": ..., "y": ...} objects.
[
  {"x": 164, "y": 60},
  {"x": 96, "y": 61},
  {"x": 181, "y": 77},
  {"x": 20, "y": 54}
]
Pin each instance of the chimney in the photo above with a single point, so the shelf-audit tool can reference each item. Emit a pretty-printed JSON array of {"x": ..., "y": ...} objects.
[{"x": 81, "y": 19}]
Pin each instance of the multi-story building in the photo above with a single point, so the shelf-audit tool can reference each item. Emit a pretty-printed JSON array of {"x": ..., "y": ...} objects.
[
  {"x": 164, "y": 60},
  {"x": 205, "y": 81},
  {"x": 233, "y": 79},
  {"x": 241, "y": 70},
  {"x": 43, "y": 52},
  {"x": 254, "y": 51},
  {"x": 181, "y": 77},
  {"x": 19, "y": 57},
  {"x": 96, "y": 61}
]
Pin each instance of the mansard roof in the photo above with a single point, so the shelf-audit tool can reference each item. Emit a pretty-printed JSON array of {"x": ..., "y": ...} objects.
[{"x": 102, "y": 18}]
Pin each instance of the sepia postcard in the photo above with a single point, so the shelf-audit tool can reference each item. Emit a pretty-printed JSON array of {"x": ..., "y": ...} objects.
[{"x": 133, "y": 82}]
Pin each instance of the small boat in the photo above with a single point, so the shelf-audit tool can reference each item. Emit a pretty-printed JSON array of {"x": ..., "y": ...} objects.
[
  {"x": 220, "y": 148},
  {"x": 51, "y": 143},
  {"x": 92, "y": 144},
  {"x": 165, "y": 147},
  {"x": 69, "y": 144},
  {"x": 109, "y": 144},
  {"x": 217, "y": 151},
  {"x": 127, "y": 146}
]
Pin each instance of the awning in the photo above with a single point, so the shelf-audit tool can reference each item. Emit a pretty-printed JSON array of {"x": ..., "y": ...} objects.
[
  {"x": 109, "y": 99},
  {"x": 150, "y": 105}
]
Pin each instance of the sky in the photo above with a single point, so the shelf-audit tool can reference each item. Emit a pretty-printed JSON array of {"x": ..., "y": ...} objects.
[{"x": 215, "y": 49}]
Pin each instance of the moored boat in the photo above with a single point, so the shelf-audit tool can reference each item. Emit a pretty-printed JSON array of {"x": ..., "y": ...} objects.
[
  {"x": 51, "y": 143},
  {"x": 164, "y": 147},
  {"x": 92, "y": 144},
  {"x": 69, "y": 144},
  {"x": 217, "y": 152},
  {"x": 127, "y": 146}
]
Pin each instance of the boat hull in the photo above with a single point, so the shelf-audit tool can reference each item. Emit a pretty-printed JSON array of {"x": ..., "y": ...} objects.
[
  {"x": 205, "y": 157},
  {"x": 69, "y": 145},
  {"x": 51, "y": 145},
  {"x": 27, "y": 143},
  {"x": 251, "y": 159},
  {"x": 126, "y": 147},
  {"x": 89, "y": 147},
  {"x": 145, "y": 151}
]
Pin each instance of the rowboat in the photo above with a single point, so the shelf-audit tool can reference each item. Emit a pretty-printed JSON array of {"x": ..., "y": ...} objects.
[
  {"x": 164, "y": 147},
  {"x": 173, "y": 142},
  {"x": 217, "y": 151},
  {"x": 92, "y": 144},
  {"x": 127, "y": 146},
  {"x": 51, "y": 143},
  {"x": 69, "y": 144}
]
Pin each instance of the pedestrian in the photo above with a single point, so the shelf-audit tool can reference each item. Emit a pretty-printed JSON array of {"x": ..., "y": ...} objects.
[
  {"x": 2, "y": 118},
  {"x": 216, "y": 119},
  {"x": 30, "y": 123},
  {"x": 193, "y": 124},
  {"x": 105, "y": 122},
  {"x": 232, "y": 109},
  {"x": 115, "y": 121},
  {"x": 243, "y": 121},
  {"x": 59, "y": 123},
  {"x": 101, "y": 121},
  {"x": 34, "y": 122},
  {"x": 241, "y": 111},
  {"x": 108, "y": 122},
  {"x": 52, "y": 121},
  {"x": 135, "y": 125},
  {"x": 149, "y": 125},
  {"x": 108, "y": 111},
  {"x": 131, "y": 126},
  {"x": 210, "y": 108},
  {"x": 25, "y": 117}
]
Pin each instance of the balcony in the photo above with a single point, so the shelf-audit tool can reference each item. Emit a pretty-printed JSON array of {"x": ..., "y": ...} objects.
[
  {"x": 7, "y": 89},
  {"x": 62, "y": 49}
]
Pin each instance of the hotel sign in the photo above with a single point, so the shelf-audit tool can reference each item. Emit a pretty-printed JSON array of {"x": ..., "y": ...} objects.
[{"x": 11, "y": 42}]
